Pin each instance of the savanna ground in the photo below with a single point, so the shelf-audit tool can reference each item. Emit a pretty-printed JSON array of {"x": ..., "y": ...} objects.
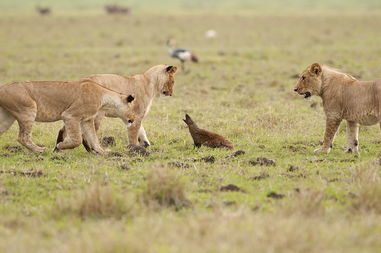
[{"x": 173, "y": 200}]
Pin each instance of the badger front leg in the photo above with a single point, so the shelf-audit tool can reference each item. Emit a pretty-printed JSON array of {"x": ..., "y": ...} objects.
[
  {"x": 352, "y": 137},
  {"x": 332, "y": 124}
]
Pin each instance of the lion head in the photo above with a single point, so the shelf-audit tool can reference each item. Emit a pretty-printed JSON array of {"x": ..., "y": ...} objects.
[
  {"x": 310, "y": 81},
  {"x": 169, "y": 81},
  {"x": 130, "y": 115}
]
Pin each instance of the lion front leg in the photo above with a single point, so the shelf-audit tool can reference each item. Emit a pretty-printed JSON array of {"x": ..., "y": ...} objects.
[
  {"x": 330, "y": 130},
  {"x": 142, "y": 137},
  {"x": 97, "y": 123},
  {"x": 133, "y": 132},
  {"x": 352, "y": 137},
  {"x": 90, "y": 135}
]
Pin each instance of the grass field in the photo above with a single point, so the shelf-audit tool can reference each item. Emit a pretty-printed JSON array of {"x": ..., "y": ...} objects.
[{"x": 173, "y": 200}]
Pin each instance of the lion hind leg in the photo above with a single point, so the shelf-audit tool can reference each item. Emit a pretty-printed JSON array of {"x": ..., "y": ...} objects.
[
  {"x": 6, "y": 120},
  {"x": 73, "y": 135},
  {"x": 25, "y": 137},
  {"x": 352, "y": 137}
]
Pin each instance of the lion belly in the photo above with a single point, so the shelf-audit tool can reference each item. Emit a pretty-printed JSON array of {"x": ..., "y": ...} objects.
[{"x": 369, "y": 120}]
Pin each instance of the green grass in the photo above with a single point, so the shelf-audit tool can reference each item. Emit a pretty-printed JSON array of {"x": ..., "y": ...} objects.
[{"x": 242, "y": 88}]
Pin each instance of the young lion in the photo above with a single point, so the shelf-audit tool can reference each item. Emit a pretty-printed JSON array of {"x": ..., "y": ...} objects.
[
  {"x": 157, "y": 80},
  {"x": 76, "y": 103},
  {"x": 344, "y": 98}
]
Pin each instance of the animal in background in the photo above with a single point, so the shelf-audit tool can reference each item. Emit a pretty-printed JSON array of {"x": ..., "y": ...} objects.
[
  {"x": 206, "y": 138},
  {"x": 183, "y": 55},
  {"x": 43, "y": 10},
  {"x": 116, "y": 9}
]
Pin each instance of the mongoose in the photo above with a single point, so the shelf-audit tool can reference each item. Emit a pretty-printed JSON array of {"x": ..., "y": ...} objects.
[{"x": 204, "y": 137}]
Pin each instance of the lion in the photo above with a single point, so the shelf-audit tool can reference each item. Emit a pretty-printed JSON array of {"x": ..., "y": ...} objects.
[
  {"x": 344, "y": 98},
  {"x": 76, "y": 103},
  {"x": 155, "y": 81}
]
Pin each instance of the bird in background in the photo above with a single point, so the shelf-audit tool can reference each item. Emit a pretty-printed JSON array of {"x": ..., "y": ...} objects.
[
  {"x": 204, "y": 137},
  {"x": 43, "y": 10},
  {"x": 183, "y": 55}
]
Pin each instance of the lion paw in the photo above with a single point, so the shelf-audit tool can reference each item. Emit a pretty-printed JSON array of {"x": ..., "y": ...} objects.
[
  {"x": 352, "y": 150},
  {"x": 322, "y": 151},
  {"x": 39, "y": 151}
]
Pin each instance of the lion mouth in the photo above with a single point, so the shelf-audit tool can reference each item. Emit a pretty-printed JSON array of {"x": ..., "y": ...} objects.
[{"x": 307, "y": 94}]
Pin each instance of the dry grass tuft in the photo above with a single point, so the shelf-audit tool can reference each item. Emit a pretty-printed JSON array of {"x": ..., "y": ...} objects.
[
  {"x": 165, "y": 189},
  {"x": 368, "y": 199},
  {"x": 306, "y": 203},
  {"x": 368, "y": 189},
  {"x": 366, "y": 174},
  {"x": 96, "y": 201}
]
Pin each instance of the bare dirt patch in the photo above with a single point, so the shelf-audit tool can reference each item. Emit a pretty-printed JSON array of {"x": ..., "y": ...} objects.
[
  {"x": 231, "y": 188},
  {"x": 262, "y": 161},
  {"x": 208, "y": 159},
  {"x": 27, "y": 173},
  {"x": 137, "y": 150},
  {"x": 275, "y": 195},
  {"x": 293, "y": 168},
  {"x": 108, "y": 141},
  {"x": 58, "y": 158},
  {"x": 261, "y": 176},
  {"x": 13, "y": 148},
  {"x": 125, "y": 166},
  {"x": 179, "y": 165},
  {"x": 237, "y": 153}
]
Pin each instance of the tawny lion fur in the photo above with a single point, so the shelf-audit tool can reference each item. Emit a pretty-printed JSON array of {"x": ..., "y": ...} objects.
[
  {"x": 76, "y": 103},
  {"x": 157, "y": 80},
  {"x": 344, "y": 98}
]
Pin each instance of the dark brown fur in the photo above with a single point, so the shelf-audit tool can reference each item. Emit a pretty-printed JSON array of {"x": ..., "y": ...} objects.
[{"x": 206, "y": 138}]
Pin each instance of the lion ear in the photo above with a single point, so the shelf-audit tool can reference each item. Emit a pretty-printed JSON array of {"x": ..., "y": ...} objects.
[
  {"x": 171, "y": 69},
  {"x": 316, "y": 69},
  {"x": 130, "y": 98}
]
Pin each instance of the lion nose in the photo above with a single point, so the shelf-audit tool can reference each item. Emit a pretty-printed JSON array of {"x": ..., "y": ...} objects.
[
  {"x": 130, "y": 121},
  {"x": 164, "y": 92},
  {"x": 296, "y": 89}
]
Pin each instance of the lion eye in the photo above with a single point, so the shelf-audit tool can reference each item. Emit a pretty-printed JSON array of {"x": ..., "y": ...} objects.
[{"x": 303, "y": 77}]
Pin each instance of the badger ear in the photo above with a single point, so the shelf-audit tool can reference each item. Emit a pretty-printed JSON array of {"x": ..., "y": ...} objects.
[
  {"x": 171, "y": 69},
  {"x": 316, "y": 69},
  {"x": 130, "y": 98}
]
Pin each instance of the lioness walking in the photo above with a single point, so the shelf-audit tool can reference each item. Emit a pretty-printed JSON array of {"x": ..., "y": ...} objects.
[
  {"x": 155, "y": 81},
  {"x": 76, "y": 103},
  {"x": 344, "y": 98}
]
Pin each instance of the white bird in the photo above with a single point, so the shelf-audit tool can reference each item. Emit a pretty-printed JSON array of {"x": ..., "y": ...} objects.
[
  {"x": 182, "y": 54},
  {"x": 210, "y": 34}
]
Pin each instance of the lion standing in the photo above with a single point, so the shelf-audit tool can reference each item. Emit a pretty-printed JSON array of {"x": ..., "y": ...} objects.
[
  {"x": 155, "y": 81},
  {"x": 344, "y": 98}
]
